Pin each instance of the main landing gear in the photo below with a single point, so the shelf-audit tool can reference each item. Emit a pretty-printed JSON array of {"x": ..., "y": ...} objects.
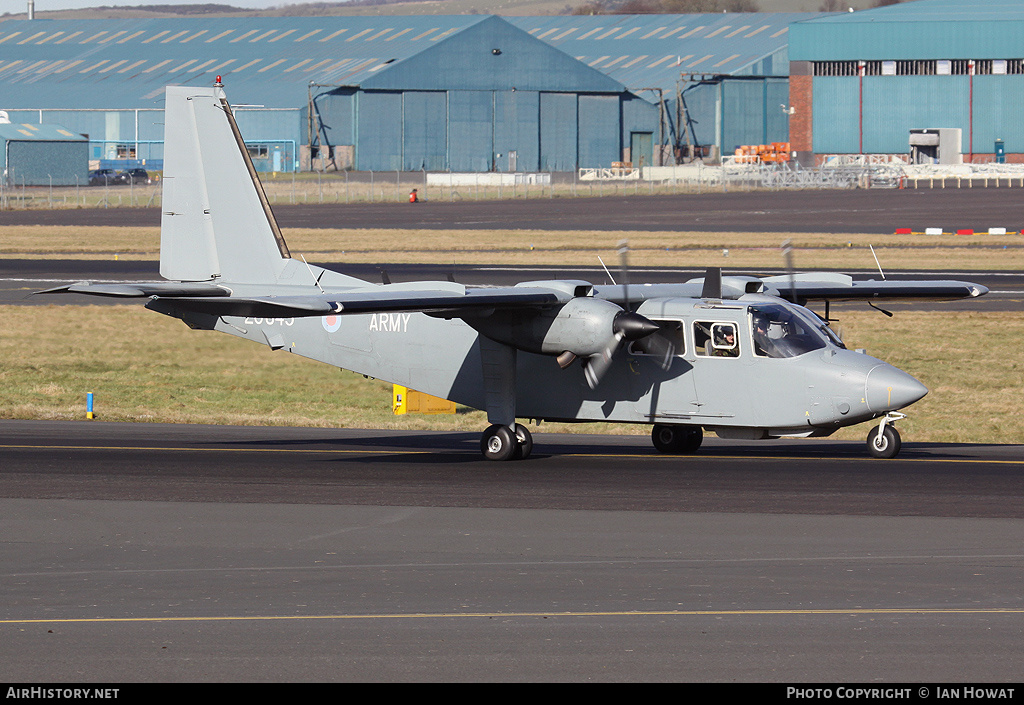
[
  {"x": 884, "y": 441},
  {"x": 500, "y": 442},
  {"x": 676, "y": 440}
]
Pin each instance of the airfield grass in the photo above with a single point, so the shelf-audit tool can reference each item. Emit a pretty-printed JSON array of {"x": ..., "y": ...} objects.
[
  {"x": 145, "y": 367},
  {"x": 534, "y": 247}
]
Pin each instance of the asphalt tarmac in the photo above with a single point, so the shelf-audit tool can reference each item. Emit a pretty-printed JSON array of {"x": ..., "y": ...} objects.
[
  {"x": 847, "y": 211},
  {"x": 154, "y": 553}
]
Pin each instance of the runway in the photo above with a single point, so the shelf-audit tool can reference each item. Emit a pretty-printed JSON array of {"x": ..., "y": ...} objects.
[
  {"x": 147, "y": 552},
  {"x": 807, "y": 211}
]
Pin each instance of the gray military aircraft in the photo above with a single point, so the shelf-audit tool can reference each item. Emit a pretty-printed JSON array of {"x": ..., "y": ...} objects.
[{"x": 739, "y": 356}]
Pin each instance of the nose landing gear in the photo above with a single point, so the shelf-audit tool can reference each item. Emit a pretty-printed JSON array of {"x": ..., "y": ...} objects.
[{"x": 884, "y": 441}]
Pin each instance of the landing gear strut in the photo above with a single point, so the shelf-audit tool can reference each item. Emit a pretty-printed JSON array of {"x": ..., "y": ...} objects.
[
  {"x": 500, "y": 442},
  {"x": 884, "y": 441}
]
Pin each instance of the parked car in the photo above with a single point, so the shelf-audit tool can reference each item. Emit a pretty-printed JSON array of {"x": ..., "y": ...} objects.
[
  {"x": 102, "y": 177},
  {"x": 135, "y": 176}
]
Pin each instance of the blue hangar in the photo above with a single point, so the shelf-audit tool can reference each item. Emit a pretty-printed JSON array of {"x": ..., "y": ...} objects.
[{"x": 436, "y": 93}]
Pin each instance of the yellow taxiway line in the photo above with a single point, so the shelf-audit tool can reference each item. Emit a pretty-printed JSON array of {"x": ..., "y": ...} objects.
[
  {"x": 392, "y": 451},
  {"x": 536, "y": 615}
]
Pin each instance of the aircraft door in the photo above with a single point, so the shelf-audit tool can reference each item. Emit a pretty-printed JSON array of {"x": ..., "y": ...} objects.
[
  {"x": 723, "y": 374},
  {"x": 660, "y": 393}
]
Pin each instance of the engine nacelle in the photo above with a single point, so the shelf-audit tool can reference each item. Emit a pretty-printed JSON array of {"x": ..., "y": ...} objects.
[{"x": 581, "y": 326}]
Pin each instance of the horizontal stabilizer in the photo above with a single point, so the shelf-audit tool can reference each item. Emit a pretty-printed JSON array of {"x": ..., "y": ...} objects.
[{"x": 139, "y": 289}]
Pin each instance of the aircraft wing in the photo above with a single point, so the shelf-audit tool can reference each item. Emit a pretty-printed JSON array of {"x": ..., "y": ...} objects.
[
  {"x": 361, "y": 301},
  {"x": 457, "y": 300},
  {"x": 814, "y": 286},
  {"x": 428, "y": 297},
  {"x": 827, "y": 286}
]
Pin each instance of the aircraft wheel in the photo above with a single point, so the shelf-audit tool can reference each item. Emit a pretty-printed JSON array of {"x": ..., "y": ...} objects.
[
  {"x": 524, "y": 442},
  {"x": 676, "y": 440},
  {"x": 499, "y": 443},
  {"x": 888, "y": 446}
]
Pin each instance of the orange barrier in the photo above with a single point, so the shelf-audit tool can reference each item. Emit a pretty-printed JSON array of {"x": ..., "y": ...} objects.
[{"x": 774, "y": 153}]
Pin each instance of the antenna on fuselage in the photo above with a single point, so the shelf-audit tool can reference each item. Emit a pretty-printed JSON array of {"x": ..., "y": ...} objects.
[
  {"x": 605, "y": 267},
  {"x": 316, "y": 279},
  {"x": 876, "y": 261},
  {"x": 712, "y": 283}
]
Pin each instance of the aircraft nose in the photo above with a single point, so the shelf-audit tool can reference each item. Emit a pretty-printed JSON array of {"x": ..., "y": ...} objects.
[{"x": 888, "y": 388}]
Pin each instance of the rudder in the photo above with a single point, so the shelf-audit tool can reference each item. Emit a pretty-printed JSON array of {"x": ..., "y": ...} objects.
[{"x": 216, "y": 222}]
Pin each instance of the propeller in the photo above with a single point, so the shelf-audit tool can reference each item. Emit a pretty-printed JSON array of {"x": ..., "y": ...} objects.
[
  {"x": 628, "y": 326},
  {"x": 787, "y": 257}
]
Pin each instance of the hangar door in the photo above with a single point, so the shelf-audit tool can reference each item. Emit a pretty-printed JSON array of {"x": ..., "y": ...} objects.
[
  {"x": 425, "y": 131},
  {"x": 558, "y": 131},
  {"x": 599, "y": 130},
  {"x": 516, "y": 130},
  {"x": 471, "y": 124}
]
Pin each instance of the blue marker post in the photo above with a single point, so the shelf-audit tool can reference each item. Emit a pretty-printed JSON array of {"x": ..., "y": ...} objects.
[{"x": 88, "y": 406}]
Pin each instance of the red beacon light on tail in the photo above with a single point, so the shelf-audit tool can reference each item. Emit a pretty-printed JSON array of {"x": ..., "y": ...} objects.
[{"x": 217, "y": 83}]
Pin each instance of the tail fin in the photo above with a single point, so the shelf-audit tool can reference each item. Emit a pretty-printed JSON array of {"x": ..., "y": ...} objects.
[{"x": 216, "y": 222}]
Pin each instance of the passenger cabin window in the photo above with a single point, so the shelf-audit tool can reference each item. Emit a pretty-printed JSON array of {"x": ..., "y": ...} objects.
[
  {"x": 779, "y": 332},
  {"x": 715, "y": 339},
  {"x": 669, "y": 338}
]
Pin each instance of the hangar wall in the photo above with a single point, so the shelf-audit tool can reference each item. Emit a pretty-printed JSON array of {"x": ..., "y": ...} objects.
[
  {"x": 41, "y": 155},
  {"x": 481, "y": 130},
  {"x": 860, "y": 82}
]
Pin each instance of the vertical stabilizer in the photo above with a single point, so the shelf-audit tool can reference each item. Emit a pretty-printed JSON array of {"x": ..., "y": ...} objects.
[{"x": 216, "y": 221}]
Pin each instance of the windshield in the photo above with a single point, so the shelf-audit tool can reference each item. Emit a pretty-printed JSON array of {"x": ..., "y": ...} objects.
[{"x": 778, "y": 331}]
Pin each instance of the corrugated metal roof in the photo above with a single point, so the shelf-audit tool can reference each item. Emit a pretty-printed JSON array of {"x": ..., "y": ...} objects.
[
  {"x": 941, "y": 29},
  {"x": 267, "y": 60},
  {"x": 933, "y": 11},
  {"x": 653, "y": 50},
  {"x": 126, "y": 63},
  {"x": 23, "y": 132}
]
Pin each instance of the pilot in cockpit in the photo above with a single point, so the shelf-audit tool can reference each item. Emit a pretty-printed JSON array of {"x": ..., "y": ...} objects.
[{"x": 763, "y": 345}]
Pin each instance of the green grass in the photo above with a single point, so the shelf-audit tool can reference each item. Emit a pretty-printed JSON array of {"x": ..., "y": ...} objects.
[{"x": 532, "y": 247}]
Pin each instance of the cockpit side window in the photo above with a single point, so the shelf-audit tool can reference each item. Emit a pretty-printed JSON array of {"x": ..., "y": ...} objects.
[
  {"x": 778, "y": 332},
  {"x": 711, "y": 339}
]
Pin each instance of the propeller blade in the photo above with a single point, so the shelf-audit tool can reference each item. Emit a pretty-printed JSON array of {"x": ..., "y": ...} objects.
[
  {"x": 787, "y": 257},
  {"x": 624, "y": 267},
  {"x": 597, "y": 365},
  {"x": 626, "y": 326},
  {"x": 661, "y": 348}
]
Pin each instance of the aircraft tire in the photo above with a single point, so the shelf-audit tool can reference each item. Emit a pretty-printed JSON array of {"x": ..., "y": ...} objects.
[
  {"x": 676, "y": 440},
  {"x": 888, "y": 446},
  {"x": 499, "y": 443},
  {"x": 524, "y": 442}
]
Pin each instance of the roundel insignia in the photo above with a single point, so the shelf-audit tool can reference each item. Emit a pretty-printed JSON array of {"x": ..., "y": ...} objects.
[{"x": 331, "y": 323}]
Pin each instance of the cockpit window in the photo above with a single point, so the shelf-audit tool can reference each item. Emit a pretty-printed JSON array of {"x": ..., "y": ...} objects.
[
  {"x": 779, "y": 332},
  {"x": 712, "y": 339}
]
